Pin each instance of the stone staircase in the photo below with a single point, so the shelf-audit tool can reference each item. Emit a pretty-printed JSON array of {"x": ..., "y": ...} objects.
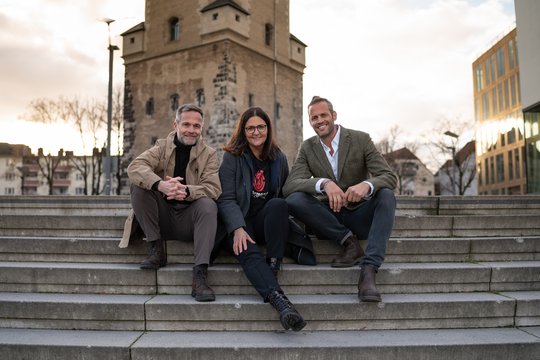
[{"x": 461, "y": 281}]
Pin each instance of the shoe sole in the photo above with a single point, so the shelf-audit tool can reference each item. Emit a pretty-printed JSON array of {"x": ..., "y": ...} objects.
[
  {"x": 370, "y": 298},
  {"x": 293, "y": 321},
  {"x": 338, "y": 265},
  {"x": 203, "y": 298},
  {"x": 151, "y": 267}
]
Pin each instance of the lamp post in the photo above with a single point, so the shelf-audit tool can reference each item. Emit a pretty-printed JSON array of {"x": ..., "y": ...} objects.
[
  {"x": 108, "y": 162},
  {"x": 453, "y": 148}
]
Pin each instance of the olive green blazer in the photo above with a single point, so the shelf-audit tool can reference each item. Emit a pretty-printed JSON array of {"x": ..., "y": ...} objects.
[{"x": 358, "y": 160}]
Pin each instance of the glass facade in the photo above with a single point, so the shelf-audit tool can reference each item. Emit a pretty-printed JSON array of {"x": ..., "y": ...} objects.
[
  {"x": 532, "y": 135},
  {"x": 499, "y": 120}
]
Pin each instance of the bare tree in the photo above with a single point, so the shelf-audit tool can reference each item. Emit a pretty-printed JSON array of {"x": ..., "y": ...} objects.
[
  {"x": 89, "y": 118},
  {"x": 48, "y": 165},
  {"x": 455, "y": 158}
]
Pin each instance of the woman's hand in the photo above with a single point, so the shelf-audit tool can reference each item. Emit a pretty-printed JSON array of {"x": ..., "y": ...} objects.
[{"x": 241, "y": 237}]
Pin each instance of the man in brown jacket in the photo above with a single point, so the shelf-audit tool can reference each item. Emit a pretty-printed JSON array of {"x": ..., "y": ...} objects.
[{"x": 174, "y": 186}]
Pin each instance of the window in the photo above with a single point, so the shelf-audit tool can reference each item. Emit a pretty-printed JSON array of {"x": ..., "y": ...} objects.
[
  {"x": 215, "y": 16},
  {"x": 487, "y": 170},
  {"x": 485, "y": 106},
  {"x": 479, "y": 165},
  {"x": 268, "y": 34},
  {"x": 479, "y": 77},
  {"x": 132, "y": 40},
  {"x": 10, "y": 177},
  {"x": 500, "y": 91},
  {"x": 250, "y": 100},
  {"x": 237, "y": 18},
  {"x": 150, "y": 106},
  {"x": 500, "y": 167},
  {"x": 500, "y": 62},
  {"x": 9, "y": 191},
  {"x": 494, "y": 101},
  {"x": 174, "y": 29},
  {"x": 486, "y": 66},
  {"x": 511, "y": 54},
  {"x": 79, "y": 191},
  {"x": 506, "y": 95},
  {"x": 516, "y": 163},
  {"x": 278, "y": 108},
  {"x": 511, "y": 136},
  {"x": 510, "y": 165},
  {"x": 503, "y": 142},
  {"x": 199, "y": 95},
  {"x": 513, "y": 90},
  {"x": 492, "y": 170},
  {"x": 174, "y": 102},
  {"x": 492, "y": 69}
]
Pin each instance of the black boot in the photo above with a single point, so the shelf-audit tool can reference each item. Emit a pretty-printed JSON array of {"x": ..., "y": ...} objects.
[
  {"x": 199, "y": 289},
  {"x": 156, "y": 255},
  {"x": 289, "y": 317},
  {"x": 274, "y": 264},
  {"x": 351, "y": 254},
  {"x": 367, "y": 291}
]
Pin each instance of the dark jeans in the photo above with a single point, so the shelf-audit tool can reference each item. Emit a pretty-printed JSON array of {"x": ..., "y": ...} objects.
[
  {"x": 372, "y": 220},
  {"x": 271, "y": 227},
  {"x": 191, "y": 222}
]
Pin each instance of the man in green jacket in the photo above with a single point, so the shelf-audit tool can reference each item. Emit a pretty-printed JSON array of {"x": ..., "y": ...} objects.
[
  {"x": 341, "y": 187},
  {"x": 174, "y": 186}
]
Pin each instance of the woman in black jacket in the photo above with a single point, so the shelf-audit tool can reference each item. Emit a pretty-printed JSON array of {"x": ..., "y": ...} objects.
[{"x": 253, "y": 211}]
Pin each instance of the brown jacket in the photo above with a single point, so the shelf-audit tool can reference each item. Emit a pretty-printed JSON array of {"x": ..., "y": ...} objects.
[{"x": 157, "y": 162}]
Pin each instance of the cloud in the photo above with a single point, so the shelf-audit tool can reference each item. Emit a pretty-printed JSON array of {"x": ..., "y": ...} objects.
[{"x": 396, "y": 62}]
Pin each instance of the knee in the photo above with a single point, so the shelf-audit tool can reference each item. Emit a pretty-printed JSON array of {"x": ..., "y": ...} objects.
[
  {"x": 278, "y": 205},
  {"x": 206, "y": 206},
  {"x": 386, "y": 196},
  {"x": 297, "y": 199}
]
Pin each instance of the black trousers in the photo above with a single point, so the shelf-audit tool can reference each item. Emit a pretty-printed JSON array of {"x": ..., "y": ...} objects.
[{"x": 271, "y": 227}]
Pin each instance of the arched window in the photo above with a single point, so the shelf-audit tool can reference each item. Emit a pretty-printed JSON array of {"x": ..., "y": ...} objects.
[{"x": 174, "y": 29}]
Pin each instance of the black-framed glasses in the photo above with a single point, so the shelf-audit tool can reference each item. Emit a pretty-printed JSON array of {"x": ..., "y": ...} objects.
[{"x": 260, "y": 128}]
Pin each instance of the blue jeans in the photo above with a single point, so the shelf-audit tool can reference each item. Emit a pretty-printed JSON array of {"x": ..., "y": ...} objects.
[{"x": 372, "y": 220}]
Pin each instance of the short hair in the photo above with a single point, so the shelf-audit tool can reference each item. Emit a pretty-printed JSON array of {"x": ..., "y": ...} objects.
[
  {"x": 185, "y": 108},
  {"x": 317, "y": 99}
]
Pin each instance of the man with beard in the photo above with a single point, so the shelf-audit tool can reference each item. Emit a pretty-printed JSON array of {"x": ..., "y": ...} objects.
[
  {"x": 341, "y": 188},
  {"x": 174, "y": 186}
]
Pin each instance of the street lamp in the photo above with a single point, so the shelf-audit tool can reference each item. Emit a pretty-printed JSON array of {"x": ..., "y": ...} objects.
[
  {"x": 108, "y": 161},
  {"x": 453, "y": 148}
]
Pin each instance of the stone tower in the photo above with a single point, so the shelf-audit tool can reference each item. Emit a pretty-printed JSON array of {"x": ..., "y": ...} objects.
[{"x": 224, "y": 56}]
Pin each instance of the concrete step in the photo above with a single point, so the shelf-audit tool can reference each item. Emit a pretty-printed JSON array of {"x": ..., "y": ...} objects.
[
  {"x": 393, "y": 278},
  {"x": 452, "y": 344},
  {"x": 250, "y": 313},
  {"x": 406, "y": 205},
  {"x": 72, "y": 311},
  {"x": 427, "y": 249},
  {"x": 405, "y": 225}
]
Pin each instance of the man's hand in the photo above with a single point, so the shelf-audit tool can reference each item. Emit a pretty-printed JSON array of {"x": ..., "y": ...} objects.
[
  {"x": 357, "y": 192},
  {"x": 336, "y": 197},
  {"x": 241, "y": 237},
  {"x": 173, "y": 188}
]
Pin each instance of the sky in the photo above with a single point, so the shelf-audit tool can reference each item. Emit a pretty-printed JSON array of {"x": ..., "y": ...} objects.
[{"x": 382, "y": 63}]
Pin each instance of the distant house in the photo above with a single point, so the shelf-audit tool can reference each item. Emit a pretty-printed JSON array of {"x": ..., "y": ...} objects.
[
  {"x": 414, "y": 178},
  {"x": 458, "y": 176}
]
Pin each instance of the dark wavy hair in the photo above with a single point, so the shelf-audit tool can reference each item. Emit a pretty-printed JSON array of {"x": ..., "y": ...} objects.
[{"x": 238, "y": 143}]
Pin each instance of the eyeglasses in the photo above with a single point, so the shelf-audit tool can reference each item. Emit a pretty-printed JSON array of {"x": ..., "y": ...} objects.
[{"x": 251, "y": 129}]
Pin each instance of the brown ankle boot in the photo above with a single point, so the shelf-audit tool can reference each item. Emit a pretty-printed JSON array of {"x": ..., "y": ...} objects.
[
  {"x": 288, "y": 316},
  {"x": 367, "y": 291},
  {"x": 156, "y": 255},
  {"x": 351, "y": 255},
  {"x": 199, "y": 289}
]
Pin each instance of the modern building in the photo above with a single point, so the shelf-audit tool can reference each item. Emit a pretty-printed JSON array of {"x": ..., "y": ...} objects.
[
  {"x": 458, "y": 176},
  {"x": 223, "y": 55},
  {"x": 414, "y": 178},
  {"x": 500, "y": 142},
  {"x": 528, "y": 33}
]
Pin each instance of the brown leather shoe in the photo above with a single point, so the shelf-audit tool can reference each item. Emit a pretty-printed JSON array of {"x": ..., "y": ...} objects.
[
  {"x": 156, "y": 256},
  {"x": 351, "y": 255},
  {"x": 199, "y": 288},
  {"x": 367, "y": 291}
]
